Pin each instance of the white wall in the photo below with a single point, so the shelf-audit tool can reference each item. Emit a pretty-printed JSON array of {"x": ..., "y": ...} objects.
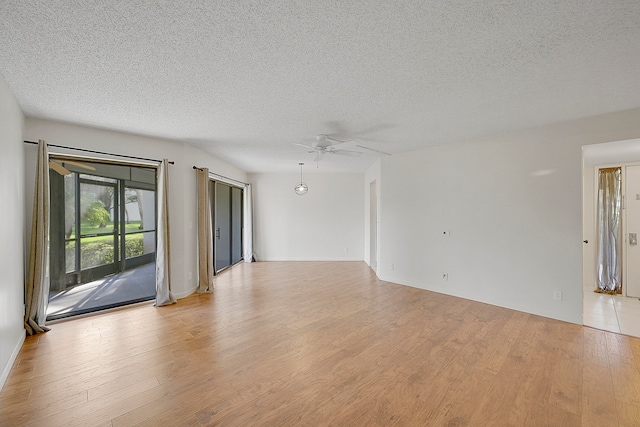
[
  {"x": 372, "y": 174},
  {"x": 513, "y": 206},
  {"x": 12, "y": 220},
  {"x": 182, "y": 181},
  {"x": 316, "y": 226}
]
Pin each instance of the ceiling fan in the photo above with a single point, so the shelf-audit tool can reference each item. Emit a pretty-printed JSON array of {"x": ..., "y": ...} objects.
[
  {"x": 58, "y": 166},
  {"x": 326, "y": 144}
]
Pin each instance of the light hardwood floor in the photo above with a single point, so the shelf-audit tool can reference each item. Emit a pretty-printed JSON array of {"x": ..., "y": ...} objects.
[
  {"x": 313, "y": 343},
  {"x": 614, "y": 313}
]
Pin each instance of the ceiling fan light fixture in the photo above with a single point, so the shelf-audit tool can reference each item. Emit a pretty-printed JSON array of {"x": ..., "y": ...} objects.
[{"x": 301, "y": 188}]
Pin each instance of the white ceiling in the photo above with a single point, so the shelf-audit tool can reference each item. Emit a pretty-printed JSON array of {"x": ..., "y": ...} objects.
[{"x": 244, "y": 80}]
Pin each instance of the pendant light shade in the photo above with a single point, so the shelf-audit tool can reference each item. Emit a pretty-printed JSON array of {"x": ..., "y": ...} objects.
[{"x": 301, "y": 188}]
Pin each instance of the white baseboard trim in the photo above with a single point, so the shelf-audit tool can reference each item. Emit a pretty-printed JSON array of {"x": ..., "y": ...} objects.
[{"x": 7, "y": 368}]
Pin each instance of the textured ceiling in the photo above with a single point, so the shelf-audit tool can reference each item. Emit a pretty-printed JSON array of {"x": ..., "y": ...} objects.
[{"x": 244, "y": 80}]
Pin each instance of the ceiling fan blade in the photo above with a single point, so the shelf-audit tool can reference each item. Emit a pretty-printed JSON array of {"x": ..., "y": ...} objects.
[
  {"x": 374, "y": 150},
  {"x": 80, "y": 165},
  {"x": 335, "y": 142},
  {"x": 349, "y": 153},
  {"x": 303, "y": 145},
  {"x": 59, "y": 168},
  {"x": 296, "y": 153}
]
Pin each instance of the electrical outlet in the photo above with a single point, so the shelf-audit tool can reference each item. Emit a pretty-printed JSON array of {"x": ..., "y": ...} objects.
[
  {"x": 346, "y": 250},
  {"x": 557, "y": 295},
  {"x": 445, "y": 276},
  {"x": 393, "y": 267}
]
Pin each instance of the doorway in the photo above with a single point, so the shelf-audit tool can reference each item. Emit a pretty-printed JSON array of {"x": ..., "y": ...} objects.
[
  {"x": 102, "y": 237},
  {"x": 616, "y": 313}
]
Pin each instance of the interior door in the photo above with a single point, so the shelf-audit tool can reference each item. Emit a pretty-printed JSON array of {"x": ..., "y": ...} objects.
[
  {"x": 222, "y": 233},
  {"x": 632, "y": 231}
]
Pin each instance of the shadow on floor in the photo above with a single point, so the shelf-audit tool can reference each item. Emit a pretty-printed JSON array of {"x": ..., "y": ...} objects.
[{"x": 128, "y": 287}]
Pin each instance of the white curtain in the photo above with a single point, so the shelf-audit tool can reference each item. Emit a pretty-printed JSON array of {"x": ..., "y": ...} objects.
[
  {"x": 609, "y": 265},
  {"x": 205, "y": 236},
  {"x": 163, "y": 264},
  {"x": 37, "y": 284},
  {"x": 247, "y": 236}
]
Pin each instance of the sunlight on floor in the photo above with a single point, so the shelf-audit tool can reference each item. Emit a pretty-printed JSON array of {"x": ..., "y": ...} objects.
[
  {"x": 132, "y": 285},
  {"x": 613, "y": 313}
]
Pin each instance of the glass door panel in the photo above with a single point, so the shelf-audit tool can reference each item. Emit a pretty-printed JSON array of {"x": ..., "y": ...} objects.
[
  {"x": 236, "y": 225},
  {"x": 140, "y": 226},
  {"x": 69, "y": 185},
  {"x": 222, "y": 230},
  {"x": 98, "y": 220}
]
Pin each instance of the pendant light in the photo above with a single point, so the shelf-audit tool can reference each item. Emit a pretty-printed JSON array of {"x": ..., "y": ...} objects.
[{"x": 301, "y": 188}]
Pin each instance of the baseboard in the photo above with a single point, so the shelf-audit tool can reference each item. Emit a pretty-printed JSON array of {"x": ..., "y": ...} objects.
[
  {"x": 517, "y": 307},
  {"x": 7, "y": 368}
]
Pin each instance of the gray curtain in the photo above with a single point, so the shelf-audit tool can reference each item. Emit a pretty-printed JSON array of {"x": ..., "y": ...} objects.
[
  {"x": 609, "y": 265},
  {"x": 37, "y": 284},
  {"x": 163, "y": 264},
  {"x": 205, "y": 236}
]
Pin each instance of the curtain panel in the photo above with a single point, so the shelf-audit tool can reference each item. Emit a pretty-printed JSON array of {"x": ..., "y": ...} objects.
[
  {"x": 163, "y": 260},
  {"x": 247, "y": 235},
  {"x": 609, "y": 260},
  {"x": 37, "y": 284},
  {"x": 205, "y": 236}
]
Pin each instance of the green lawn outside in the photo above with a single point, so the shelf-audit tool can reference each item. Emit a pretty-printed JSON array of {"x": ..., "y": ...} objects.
[
  {"x": 98, "y": 250},
  {"x": 87, "y": 228}
]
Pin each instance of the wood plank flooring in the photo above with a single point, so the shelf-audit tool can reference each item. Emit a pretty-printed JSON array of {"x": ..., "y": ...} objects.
[{"x": 320, "y": 343}]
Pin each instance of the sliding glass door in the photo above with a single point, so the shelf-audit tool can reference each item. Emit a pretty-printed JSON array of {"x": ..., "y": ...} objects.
[
  {"x": 102, "y": 235},
  {"x": 227, "y": 219}
]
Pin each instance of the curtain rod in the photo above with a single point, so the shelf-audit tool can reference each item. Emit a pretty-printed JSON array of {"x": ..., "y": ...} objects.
[
  {"x": 222, "y": 176},
  {"x": 99, "y": 152}
]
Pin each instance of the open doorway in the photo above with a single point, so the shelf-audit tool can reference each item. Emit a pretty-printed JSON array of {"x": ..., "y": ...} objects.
[
  {"x": 617, "y": 312},
  {"x": 102, "y": 236}
]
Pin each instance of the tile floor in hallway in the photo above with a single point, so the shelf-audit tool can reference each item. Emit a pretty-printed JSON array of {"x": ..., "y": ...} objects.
[{"x": 614, "y": 313}]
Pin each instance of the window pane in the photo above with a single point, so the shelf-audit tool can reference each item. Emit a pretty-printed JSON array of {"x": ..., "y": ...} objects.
[
  {"x": 70, "y": 205},
  {"x": 70, "y": 256},
  {"x": 95, "y": 251},
  {"x": 96, "y": 208},
  {"x": 140, "y": 244},
  {"x": 98, "y": 178},
  {"x": 140, "y": 209}
]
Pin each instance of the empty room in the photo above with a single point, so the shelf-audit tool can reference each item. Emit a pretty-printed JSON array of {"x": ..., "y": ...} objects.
[{"x": 320, "y": 213}]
